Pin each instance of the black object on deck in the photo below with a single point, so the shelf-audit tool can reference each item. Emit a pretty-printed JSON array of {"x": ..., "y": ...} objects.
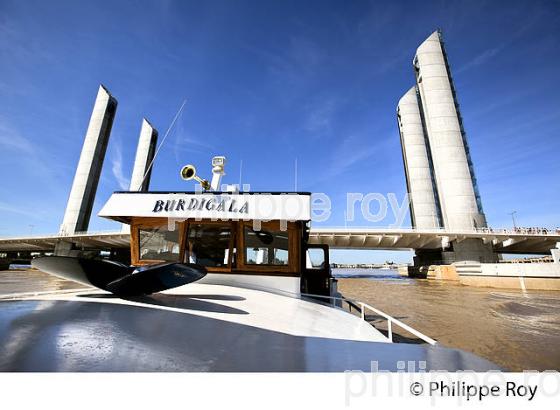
[{"x": 118, "y": 278}]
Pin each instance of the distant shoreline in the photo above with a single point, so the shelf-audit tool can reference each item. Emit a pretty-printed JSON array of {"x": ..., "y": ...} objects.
[{"x": 392, "y": 266}]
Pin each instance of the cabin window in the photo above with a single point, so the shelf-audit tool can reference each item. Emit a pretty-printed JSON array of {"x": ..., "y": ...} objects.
[
  {"x": 159, "y": 243},
  {"x": 266, "y": 247},
  {"x": 209, "y": 244},
  {"x": 315, "y": 258}
]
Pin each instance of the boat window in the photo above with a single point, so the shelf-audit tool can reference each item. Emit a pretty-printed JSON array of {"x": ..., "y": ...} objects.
[
  {"x": 208, "y": 244},
  {"x": 159, "y": 243},
  {"x": 315, "y": 258},
  {"x": 266, "y": 247}
]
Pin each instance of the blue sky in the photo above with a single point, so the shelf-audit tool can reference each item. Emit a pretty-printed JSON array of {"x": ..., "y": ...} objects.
[{"x": 269, "y": 82}]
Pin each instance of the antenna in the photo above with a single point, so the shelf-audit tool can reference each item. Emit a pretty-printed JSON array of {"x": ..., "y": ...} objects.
[
  {"x": 162, "y": 141},
  {"x": 240, "y": 172},
  {"x": 295, "y": 175}
]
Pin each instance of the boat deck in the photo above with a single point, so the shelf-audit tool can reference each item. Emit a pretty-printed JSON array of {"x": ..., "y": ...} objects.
[{"x": 199, "y": 327}]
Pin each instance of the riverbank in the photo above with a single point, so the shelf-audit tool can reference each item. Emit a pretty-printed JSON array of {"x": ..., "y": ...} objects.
[{"x": 517, "y": 330}]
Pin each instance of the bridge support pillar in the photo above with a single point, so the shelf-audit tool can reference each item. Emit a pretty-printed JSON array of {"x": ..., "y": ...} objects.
[
  {"x": 64, "y": 248},
  {"x": 470, "y": 250},
  {"x": 467, "y": 250},
  {"x": 428, "y": 257}
]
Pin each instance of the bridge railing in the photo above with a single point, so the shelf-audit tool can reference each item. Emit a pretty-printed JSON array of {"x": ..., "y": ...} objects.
[
  {"x": 362, "y": 307},
  {"x": 392, "y": 321},
  {"x": 519, "y": 231},
  {"x": 435, "y": 231}
]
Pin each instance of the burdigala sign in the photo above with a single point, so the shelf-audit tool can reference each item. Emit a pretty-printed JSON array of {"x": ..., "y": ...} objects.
[
  {"x": 217, "y": 204},
  {"x": 223, "y": 206}
]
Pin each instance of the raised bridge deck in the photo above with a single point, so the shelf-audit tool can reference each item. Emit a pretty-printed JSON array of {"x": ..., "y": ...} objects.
[{"x": 502, "y": 240}]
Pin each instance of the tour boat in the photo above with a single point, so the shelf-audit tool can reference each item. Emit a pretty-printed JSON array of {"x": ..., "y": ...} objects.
[{"x": 218, "y": 281}]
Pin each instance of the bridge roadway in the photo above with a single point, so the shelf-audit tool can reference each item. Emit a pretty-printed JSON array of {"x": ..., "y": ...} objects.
[{"x": 502, "y": 240}]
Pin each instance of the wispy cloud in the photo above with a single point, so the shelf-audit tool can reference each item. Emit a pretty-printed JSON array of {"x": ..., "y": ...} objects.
[
  {"x": 185, "y": 143},
  {"x": 517, "y": 158},
  {"x": 14, "y": 143},
  {"x": 480, "y": 59},
  {"x": 508, "y": 97},
  {"x": 19, "y": 210},
  {"x": 14, "y": 45},
  {"x": 12, "y": 140},
  {"x": 117, "y": 169},
  {"x": 349, "y": 152},
  {"x": 319, "y": 116},
  {"x": 519, "y": 127},
  {"x": 490, "y": 53},
  {"x": 294, "y": 66}
]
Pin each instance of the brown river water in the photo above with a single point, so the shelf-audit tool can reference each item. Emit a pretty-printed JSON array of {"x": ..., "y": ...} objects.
[
  {"x": 518, "y": 331},
  {"x": 25, "y": 281}
]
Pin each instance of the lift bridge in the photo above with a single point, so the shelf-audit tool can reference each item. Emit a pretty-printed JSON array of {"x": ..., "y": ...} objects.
[{"x": 441, "y": 245}]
